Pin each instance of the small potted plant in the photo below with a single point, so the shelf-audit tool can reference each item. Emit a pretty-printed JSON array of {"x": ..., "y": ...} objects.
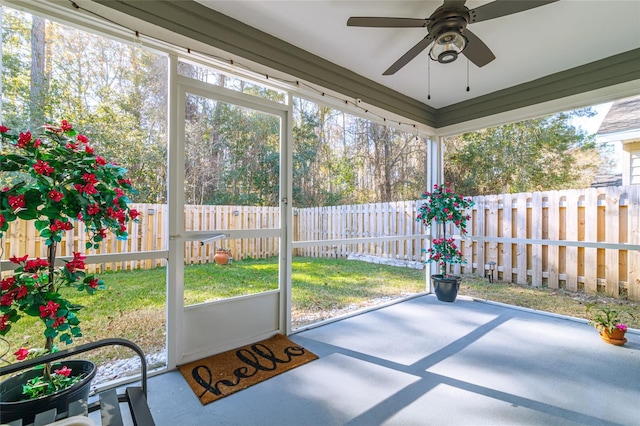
[
  {"x": 445, "y": 207},
  {"x": 54, "y": 180},
  {"x": 608, "y": 322}
]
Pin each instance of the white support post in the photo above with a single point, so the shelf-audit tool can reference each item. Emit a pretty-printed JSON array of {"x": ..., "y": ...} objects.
[
  {"x": 435, "y": 174},
  {"x": 175, "y": 201},
  {"x": 286, "y": 217}
]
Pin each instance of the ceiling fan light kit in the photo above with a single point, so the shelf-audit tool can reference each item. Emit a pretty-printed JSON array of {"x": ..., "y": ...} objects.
[
  {"x": 447, "y": 47},
  {"x": 448, "y": 34}
]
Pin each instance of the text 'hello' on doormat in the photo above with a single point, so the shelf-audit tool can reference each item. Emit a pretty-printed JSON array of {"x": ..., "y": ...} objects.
[{"x": 221, "y": 375}]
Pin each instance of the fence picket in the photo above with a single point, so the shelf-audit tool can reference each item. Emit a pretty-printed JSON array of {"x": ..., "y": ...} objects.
[
  {"x": 535, "y": 226},
  {"x": 508, "y": 232},
  {"x": 571, "y": 263},
  {"x": 521, "y": 233},
  {"x": 590, "y": 273},
  {"x": 633, "y": 257},
  {"x": 553, "y": 226}
]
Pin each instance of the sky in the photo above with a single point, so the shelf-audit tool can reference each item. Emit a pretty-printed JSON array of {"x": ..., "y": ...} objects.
[{"x": 591, "y": 125}]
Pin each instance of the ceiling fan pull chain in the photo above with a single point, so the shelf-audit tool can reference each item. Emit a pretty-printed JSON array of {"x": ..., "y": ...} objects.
[
  {"x": 428, "y": 79},
  {"x": 467, "y": 75}
]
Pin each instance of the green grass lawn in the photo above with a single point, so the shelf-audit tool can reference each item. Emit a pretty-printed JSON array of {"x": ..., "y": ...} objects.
[{"x": 133, "y": 304}]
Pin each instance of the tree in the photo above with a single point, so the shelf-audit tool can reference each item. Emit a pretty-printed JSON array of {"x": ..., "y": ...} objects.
[
  {"x": 544, "y": 153},
  {"x": 38, "y": 86},
  {"x": 117, "y": 93}
]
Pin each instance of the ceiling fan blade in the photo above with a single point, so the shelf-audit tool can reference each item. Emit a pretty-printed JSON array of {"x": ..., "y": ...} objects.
[
  {"x": 363, "y": 21},
  {"x": 454, "y": 4},
  {"x": 476, "y": 50},
  {"x": 500, "y": 8},
  {"x": 407, "y": 57}
]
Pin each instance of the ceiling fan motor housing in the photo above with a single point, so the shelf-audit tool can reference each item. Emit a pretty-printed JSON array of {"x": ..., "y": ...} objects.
[{"x": 447, "y": 26}]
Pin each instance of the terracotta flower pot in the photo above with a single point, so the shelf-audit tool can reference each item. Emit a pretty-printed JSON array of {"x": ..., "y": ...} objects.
[
  {"x": 615, "y": 336},
  {"x": 221, "y": 257}
]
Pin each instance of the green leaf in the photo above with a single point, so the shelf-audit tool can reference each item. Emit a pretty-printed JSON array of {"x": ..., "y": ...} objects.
[
  {"x": 41, "y": 224},
  {"x": 50, "y": 332},
  {"x": 28, "y": 214}
]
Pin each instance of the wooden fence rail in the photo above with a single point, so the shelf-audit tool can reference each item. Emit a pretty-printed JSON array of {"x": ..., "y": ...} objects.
[{"x": 582, "y": 240}]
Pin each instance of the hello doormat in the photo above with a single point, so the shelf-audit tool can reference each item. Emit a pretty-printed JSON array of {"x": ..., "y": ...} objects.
[{"x": 221, "y": 375}]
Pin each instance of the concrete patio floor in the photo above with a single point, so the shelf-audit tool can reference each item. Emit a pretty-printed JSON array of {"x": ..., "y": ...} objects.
[{"x": 425, "y": 362}]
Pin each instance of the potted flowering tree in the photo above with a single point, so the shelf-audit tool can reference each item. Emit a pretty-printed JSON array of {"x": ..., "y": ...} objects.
[
  {"x": 55, "y": 180},
  {"x": 444, "y": 207}
]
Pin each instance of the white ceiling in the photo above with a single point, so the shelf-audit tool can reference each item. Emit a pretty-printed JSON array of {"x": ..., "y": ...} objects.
[{"x": 528, "y": 45}]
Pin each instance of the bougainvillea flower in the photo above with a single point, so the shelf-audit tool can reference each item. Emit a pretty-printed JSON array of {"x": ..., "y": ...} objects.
[
  {"x": 7, "y": 283},
  {"x": 16, "y": 201},
  {"x": 49, "y": 310},
  {"x": 34, "y": 264},
  {"x": 93, "y": 209},
  {"x": 64, "y": 371},
  {"x": 58, "y": 322},
  {"x": 21, "y": 354},
  {"x": 59, "y": 225},
  {"x": 18, "y": 260},
  {"x": 22, "y": 292},
  {"x": 119, "y": 193},
  {"x": 77, "y": 262},
  {"x": 7, "y": 298},
  {"x": 65, "y": 125},
  {"x": 56, "y": 196},
  {"x": 43, "y": 168},
  {"x": 4, "y": 322},
  {"x": 24, "y": 139},
  {"x": 89, "y": 178}
]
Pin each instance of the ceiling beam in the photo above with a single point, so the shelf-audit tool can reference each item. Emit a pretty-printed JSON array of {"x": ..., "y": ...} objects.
[
  {"x": 193, "y": 20},
  {"x": 606, "y": 72}
]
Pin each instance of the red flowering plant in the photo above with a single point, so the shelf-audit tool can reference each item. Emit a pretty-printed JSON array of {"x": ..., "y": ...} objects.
[
  {"x": 55, "y": 180},
  {"x": 444, "y": 206}
]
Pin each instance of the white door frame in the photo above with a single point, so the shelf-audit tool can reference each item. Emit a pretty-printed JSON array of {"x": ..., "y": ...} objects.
[{"x": 197, "y": 331}]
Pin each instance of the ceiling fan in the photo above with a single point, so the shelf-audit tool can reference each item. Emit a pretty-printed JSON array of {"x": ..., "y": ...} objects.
[{"x": 448, "y": 30}]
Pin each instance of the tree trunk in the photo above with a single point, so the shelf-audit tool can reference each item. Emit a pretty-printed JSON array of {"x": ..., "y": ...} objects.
[{"x": 38, "y": 86}]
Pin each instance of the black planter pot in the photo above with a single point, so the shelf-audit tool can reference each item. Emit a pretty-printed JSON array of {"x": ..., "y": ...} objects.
[
  {"x": 446, "y": 288},
  {"x": 13, "y": 407}
]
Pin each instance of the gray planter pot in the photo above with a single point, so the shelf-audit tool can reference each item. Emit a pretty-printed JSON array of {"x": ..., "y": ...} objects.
[
  {"x": 446, "y": 288},
  {"x": 13, "y": 407}
]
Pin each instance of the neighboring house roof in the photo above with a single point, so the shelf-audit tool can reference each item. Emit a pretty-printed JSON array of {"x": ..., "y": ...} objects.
[
  {"x": 604, "y": 180},
  {"x": 623, "y": 115}
]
